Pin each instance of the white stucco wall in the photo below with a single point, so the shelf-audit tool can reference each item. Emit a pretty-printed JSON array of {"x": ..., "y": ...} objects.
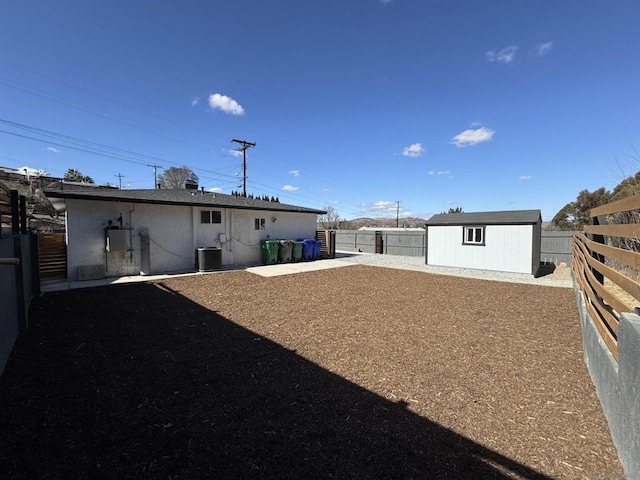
[
  {"x": 244, "y": 244},
  {"x": 508, "y": 248},
  {"x": 175, "y": 232}
]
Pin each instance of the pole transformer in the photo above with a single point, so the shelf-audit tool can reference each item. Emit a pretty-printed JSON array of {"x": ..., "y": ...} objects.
[{"x": 244, "y": 146}]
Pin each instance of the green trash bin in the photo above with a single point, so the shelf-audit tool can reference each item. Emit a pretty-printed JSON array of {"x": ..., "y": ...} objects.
[
  {"x": 269, "y": 250},
  {"x": 297, "y": 251}
]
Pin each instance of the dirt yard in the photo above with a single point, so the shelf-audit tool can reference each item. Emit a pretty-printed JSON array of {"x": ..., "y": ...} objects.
[{"x": 356, "y": 372}]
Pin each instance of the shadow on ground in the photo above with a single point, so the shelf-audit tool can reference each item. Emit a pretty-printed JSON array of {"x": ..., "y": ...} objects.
[{"x": 136, "y": 381}]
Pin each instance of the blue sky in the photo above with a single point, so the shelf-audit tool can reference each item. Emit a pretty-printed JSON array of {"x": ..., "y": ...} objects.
[{"x": 357, "y": 104}]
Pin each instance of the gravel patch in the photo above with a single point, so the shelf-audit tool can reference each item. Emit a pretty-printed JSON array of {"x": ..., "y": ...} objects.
[{"x": 560, "y": 277}]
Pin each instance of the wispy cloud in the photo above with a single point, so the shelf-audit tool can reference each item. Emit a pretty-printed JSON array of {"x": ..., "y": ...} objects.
[
  {"x": 195, "y": 101},
  {"x": 233, "y": 152},
  {"x": 289, "y": 188},
  {"x": 214, "y": 189},
  {"x": 472, "y": 136},
  {"x": 413, "y": 150},
  {"x": 295, "y": 173},
  {"x": 439, "y": 172},
  {"x": 52, "y": 149},
  {"x": 505, "y": 55},
  {"x": 525, "y": 177},
  {"x": 334, "y": 202},
  {"x": 225, "y": 104},
  {"x": 386, "y": 2},
  {"x": 382, "y": 207},
  {"x": 543, "y": 48}
]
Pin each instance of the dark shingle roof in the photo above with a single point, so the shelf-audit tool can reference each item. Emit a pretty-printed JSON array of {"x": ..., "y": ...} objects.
[
  {"x": 197, "y": 198},
  {"x": 505, "y": 217}
]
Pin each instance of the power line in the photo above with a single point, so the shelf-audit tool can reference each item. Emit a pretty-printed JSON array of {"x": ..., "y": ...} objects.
[
  {"x": 155, "y": 176},
  {"x": 243, "y": 148},
  {"x": 120, "y": 176}
]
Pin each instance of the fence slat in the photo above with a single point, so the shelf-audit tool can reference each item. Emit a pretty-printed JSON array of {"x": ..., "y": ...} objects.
[
  {"x": 626, "y": 231},
  {"x": 624, "y": 205}
]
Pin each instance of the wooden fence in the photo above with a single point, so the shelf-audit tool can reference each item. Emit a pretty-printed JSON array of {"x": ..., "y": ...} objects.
[{"x": 606, "y": 262}]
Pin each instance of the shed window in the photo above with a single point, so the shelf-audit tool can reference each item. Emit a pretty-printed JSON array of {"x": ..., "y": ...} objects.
[
  {"x": 473, "y": 236},
  {"x": 259, "y": 224},
  {"x": 210, "y": 216}
]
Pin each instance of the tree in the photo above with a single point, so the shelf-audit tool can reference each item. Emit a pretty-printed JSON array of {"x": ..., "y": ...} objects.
[
  {"x": 177, "y": 177},
  {"x": 73, "y": 175},
  {"x": 329, "y": 220},
  {"x": 575, "y": 215},
  {"x": 453, "y": 210}
]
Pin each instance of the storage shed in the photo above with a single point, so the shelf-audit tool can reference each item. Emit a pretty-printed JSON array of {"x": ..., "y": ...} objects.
[{"x": 505, "y": 241}]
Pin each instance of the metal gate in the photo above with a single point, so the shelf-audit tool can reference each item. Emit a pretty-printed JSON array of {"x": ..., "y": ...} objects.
[
  {"x": 52, "y": 255},
  {"x": 379, "y": 242}
]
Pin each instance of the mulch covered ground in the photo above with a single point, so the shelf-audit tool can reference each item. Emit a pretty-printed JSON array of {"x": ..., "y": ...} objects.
[{"x": 356, "y": 372}]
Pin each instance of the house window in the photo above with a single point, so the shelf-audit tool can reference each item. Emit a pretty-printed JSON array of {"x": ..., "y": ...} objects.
[
  {"x": 473, "y": 236},
  {"x": 259, "y": 223},
  {"x": 210, "y": 216}
]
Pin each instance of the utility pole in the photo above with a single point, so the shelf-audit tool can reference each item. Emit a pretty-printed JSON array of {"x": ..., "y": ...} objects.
[
  {"x": 120, "y": 176},
  {"x": 155, "y": 177},
  {"x": 397, "y": 213},
  {"x": 243, "y": 149}
]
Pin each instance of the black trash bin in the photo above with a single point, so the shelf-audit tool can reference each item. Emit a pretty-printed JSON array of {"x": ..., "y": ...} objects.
[{"x": 208, "y": 259}]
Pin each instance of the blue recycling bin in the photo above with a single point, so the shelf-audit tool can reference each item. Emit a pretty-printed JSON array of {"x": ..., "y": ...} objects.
[
  {"x": 307, "y": 248},
  {"x": 317, "y": 245}
]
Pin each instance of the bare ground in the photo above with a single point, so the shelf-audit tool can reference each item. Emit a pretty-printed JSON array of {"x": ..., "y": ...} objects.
[{"x": 356, "y": 372}]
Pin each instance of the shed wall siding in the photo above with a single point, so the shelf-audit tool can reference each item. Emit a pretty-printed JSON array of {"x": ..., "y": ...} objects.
[{"x": 508, "y": 248}]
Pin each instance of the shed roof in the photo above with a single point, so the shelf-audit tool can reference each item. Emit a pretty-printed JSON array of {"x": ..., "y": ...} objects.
[
  {"x": 198, "y": 198},
  {"x": 505, "y": 217}
]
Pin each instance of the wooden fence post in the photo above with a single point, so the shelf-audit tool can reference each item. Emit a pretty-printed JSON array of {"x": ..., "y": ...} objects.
[
  {"x": 600, "y": 239},
  {"x": 15, "y": 213},
  {"x": 23, "y": 214},
  {"x": 20, "y": 293}
]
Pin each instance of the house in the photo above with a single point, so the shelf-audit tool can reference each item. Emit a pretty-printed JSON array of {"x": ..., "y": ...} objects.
[
  {"x": 506, "y": 241},
  {"x": 131, "y": 232}
]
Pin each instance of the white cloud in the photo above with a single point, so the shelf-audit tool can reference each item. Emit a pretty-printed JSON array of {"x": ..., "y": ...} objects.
[
  {"x": 449, "y": 202},
  {"x": 295, "y": 173},
  {"x": 506, "y": 55},
  {"x": 472, "y": 136},
  {"x": 289, "y": 188},
  {"x": 525, "y": 177},
  {"x": 195, "y": 101},
  {"x": 233, "y": 152},
  {"x": 334, "y": 202},
  {"x": 413, "y": 150},
  {"x": 225, "y": 104},
  {"x": 214, "y": 189},
  {"x": 439, "y": 172},
  {"x": 52, "y": 149},
  {"x": 543, "y": 48}
]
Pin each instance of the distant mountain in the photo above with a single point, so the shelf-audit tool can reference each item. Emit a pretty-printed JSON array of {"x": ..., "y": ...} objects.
[{"x": 385, "y": 222}]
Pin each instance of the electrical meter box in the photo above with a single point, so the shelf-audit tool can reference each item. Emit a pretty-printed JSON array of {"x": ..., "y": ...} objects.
[{"x": 116, "y": 240}]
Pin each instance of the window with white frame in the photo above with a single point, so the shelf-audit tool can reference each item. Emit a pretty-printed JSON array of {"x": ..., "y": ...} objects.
[
  {"x": 473, "y": 236},
  {"x": 210, "y": 216}
]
